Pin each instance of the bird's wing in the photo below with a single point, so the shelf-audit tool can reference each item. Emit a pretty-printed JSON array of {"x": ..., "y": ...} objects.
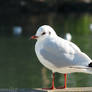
[
  {"x": 61, "y": 53},
  {"x": 57, "y": 53},
  {"x": 80, "y": 58},
  {"x": 74, "y": 46}
]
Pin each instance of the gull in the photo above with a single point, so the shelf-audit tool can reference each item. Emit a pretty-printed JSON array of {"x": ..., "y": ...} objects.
[
  {"x": 59, "y": 55},
  {"x": 68, "y": 36}
]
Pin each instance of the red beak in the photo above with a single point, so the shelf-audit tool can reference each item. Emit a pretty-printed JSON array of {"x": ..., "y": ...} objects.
[{"x": 34, "y": 37}]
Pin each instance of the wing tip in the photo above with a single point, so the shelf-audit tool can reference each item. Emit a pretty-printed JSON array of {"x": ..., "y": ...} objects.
[{"x": 90, "y": 65}]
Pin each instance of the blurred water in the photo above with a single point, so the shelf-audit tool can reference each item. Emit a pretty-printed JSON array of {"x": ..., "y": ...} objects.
[{"x": 19, "y": 66}]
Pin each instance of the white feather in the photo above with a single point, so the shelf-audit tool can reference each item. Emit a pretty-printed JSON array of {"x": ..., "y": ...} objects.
[{"x": 59, "y": 55}]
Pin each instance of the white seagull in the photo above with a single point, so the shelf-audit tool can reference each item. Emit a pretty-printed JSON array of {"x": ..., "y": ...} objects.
[
  {"x": 68, "y": 36},
  {"x": 59, "y": 55}
]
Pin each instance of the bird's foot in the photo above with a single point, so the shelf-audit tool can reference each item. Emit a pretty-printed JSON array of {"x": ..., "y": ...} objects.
[
  {"x": 61, "y": 87},
  {"x": 52, "y": 88}
]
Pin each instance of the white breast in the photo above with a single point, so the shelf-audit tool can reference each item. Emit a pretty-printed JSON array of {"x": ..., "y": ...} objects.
[{"x": 43, "y": 61}]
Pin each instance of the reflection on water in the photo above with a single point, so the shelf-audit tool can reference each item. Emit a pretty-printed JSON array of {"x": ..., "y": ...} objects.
[{"x": 19, "y": 66}]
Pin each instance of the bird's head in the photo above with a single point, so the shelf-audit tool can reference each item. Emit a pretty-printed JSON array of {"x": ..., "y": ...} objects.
[{"x": 44, "y": 32}]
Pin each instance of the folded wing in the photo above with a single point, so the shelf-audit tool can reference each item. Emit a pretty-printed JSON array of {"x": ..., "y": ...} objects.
[{"x": 63, "y": 53}]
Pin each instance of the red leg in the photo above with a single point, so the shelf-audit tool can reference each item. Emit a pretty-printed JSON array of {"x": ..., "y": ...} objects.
[
  {"x": 65, "y": 76},
  {"x": 52, "y": 83}
]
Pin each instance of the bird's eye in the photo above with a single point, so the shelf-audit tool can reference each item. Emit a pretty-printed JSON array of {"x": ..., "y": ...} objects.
[{"x": 43, "y": 33}]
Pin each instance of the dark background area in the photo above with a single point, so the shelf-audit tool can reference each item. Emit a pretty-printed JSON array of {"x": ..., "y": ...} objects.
[{"x": 19, "y": 12}]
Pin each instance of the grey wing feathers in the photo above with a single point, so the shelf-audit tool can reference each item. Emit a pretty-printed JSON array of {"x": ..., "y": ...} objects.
[
  {"x": 62, "y": 56},
  {"x": 53, "y": 53}
]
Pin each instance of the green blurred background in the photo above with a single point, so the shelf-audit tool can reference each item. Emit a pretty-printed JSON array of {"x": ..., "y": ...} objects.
[{"x": 20, "y": 19}]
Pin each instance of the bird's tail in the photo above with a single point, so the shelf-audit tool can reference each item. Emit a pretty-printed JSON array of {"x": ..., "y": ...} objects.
[
  {"x": 89, "y": 69},
  {"x": 90, "y": 65}
]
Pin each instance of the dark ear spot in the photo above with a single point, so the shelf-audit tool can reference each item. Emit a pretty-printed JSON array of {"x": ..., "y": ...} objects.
[
  {"x": 49, "y": 33},
  {"x": 90, "y": 65}
]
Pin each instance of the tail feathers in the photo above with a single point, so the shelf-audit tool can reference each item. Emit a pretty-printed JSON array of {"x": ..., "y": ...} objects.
[
  {"x": 90, "y": 65},
  {"x": 89, "y": 69}
]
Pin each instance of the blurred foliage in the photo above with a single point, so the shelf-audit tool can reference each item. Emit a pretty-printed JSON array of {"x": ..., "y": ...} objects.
[{"x": 78, "y": 24}]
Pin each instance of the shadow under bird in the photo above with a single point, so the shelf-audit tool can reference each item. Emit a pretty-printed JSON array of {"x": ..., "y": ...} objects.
[{"x": 59, "y": 55}]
